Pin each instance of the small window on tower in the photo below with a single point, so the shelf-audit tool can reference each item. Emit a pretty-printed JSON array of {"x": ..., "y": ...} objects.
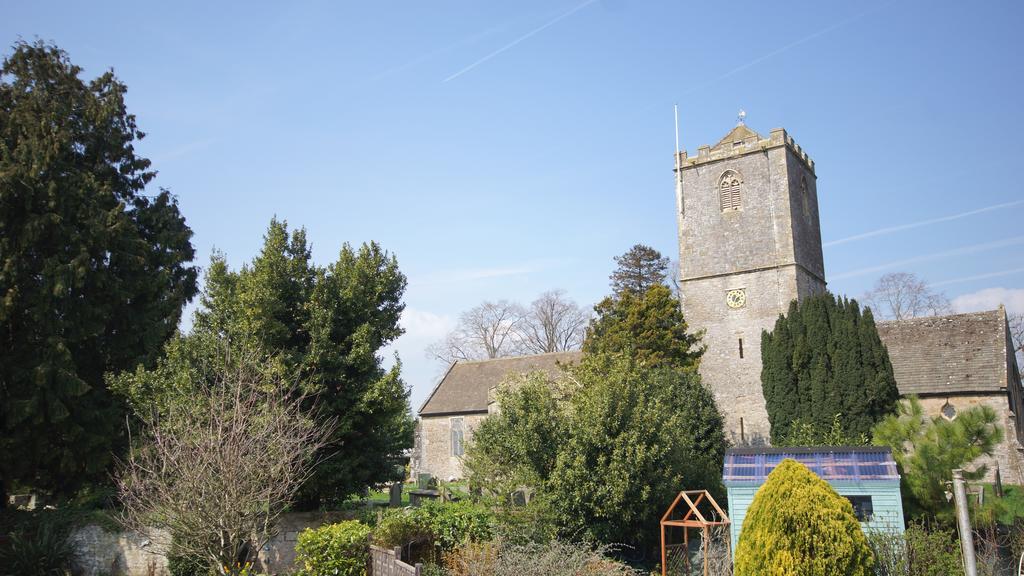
[
  {"x": 729, "y": 190},
  {"x": 741, "y": 348},
  {"x": 805, "y": 198}
]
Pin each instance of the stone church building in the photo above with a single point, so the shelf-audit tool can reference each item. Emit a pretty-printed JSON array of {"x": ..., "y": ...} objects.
[{"x": 749, "y": 244}]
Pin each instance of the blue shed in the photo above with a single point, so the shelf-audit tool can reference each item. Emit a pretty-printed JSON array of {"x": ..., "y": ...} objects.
[{"x": 865, "y": 475}]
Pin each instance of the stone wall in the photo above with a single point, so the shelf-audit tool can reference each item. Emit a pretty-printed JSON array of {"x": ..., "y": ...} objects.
[
  {"x": 1007, "y": 455},
  {"x": 435, "y": 445},
  {"x": 770, "y": 248},
  {"x": 117, "y": 553},
  {"x": 130, "y": 554}
]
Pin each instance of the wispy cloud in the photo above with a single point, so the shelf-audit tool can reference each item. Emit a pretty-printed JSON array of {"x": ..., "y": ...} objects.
[
  {"x": 963, "y": 251},
  {"x": 989, "y": 298},
  {"x": 426, "y": 56},
  {"x": 986, "y": 276},
  {"x": 520, "y": 39},
  {"x": 901, "y": 227},
  {"x": 780, "y": 50}
]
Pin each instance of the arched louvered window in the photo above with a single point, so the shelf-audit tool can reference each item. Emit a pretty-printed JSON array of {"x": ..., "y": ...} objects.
[{"x": 729, "y": 190}]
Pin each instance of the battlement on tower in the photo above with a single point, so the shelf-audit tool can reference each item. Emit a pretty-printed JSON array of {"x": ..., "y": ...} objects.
[{"x": 742, "y": 141}]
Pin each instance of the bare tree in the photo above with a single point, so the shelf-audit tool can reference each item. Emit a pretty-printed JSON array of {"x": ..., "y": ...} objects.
[
  {"x": 553, "y": 324},
  {"x": 215, "y": 471},
  {"x": 1016, "y": 320},
  {"x": 903, "y": 295},
  {"x": 490, "y": 330}
]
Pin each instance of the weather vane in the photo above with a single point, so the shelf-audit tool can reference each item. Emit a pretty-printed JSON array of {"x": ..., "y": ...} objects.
[{"x": 741, "y": 117}]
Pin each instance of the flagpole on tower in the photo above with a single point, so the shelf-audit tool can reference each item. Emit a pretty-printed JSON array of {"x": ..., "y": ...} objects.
[{"x": 679, "y": 171}]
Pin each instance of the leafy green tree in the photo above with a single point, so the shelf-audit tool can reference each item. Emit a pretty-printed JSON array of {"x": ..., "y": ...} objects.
[
  {"x": 93, "y": 272},
  {"x": 798, "y": 526},
  {"x": 650, "y": 327},
  {"x": 927, "y": 449},
  {"x": 324, "y": 326},
  {"x": 823, "y": 358},
  {"x": 519, "y": 445},
  {"x": 636, "y": 435},
  {"x": 638, "y": 269}
]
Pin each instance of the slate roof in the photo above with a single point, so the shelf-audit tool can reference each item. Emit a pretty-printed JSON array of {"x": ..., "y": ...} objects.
[
  {"x": 464, "y": 387},
  {"x": 956, "y": 354}
]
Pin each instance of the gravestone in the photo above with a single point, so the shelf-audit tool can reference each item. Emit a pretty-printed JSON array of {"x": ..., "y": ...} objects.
[{"x": 395, "y": 495}]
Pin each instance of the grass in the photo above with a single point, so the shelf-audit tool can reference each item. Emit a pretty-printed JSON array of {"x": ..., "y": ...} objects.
[
  {"x": 1012, "y": 502},
  {"x": 382, "y": 497}
]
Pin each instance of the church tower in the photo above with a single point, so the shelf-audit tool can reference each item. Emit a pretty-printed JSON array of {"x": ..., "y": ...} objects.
[{"x": 749, "y": 244}]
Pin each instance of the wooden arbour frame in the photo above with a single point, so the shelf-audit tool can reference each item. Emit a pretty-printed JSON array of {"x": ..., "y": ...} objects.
[{"x": 688, "y": 502}]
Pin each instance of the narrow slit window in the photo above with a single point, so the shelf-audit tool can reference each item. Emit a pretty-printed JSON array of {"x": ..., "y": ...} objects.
[{"x": 741, "y": 348}]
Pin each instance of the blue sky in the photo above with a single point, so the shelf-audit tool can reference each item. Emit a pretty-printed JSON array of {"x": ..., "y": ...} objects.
[{"x": 501, "y": 149}]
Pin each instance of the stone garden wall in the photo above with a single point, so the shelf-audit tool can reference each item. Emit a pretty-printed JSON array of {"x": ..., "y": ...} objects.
[{"x": 129, "y": 554}]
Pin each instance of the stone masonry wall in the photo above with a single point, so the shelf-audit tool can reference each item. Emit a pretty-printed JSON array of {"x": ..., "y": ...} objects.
[
  {"x": 131, "y": 554},
  {"x": 435, "y": 445},
  {"x": 770, "y": 248},
  {"x": 1007, "y": 454},
  {"x": 117, "y": 553}
]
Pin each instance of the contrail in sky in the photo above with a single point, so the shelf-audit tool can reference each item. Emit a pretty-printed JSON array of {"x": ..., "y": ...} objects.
[
  {"x": 513, "y": 43},
  {"x": 972, "y": 249},
  {"x": 778, "y": 51},
  {"x": 976, "y": 277},
  {"x": 901, "y": 227}
]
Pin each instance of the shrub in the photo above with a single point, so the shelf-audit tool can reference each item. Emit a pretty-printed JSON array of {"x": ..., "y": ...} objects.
[
  {"x": 798, "y": 526},
  {"x": 636, "y": 435},
  {"x": 927, "y": 448},
  {"x": 555, "y": 558},
  {"x": 440, "y": 526},
  {"x": 42, "y": 550},
  {"x": 340, "y": 549},
  {"x": 931, "y": 552}
]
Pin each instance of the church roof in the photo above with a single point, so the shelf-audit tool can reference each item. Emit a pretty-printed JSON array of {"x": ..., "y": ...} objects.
[
  {"x": 463, "y": 389},
  {"x": 738, "y": 134},
  {"x": 955, "y": 354}
]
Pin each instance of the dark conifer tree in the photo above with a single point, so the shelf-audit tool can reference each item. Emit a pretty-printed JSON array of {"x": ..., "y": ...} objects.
[
  {"x": 824, "y": 358},
  {"x": 93, "y": 271},
  {"x": 638, "y": 269}
]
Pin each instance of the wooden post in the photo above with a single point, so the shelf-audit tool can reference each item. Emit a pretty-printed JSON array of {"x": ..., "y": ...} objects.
[
  {"x": 398, "y": 552},
  {"x": 369, "y": 557},
  {"x": 706, "y": 546},
  {"x": 664, "y": 568},
  {"x": 686, "y": 548},
  {"x": 419, "y": 568}
]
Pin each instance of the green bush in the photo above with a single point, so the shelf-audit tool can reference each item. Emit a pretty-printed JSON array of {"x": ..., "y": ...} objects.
[
  {"x": 931, "y": 552},
  {"x": 440, "y": 525},
  {"x": 340, "y": 549},
  {"x": 554, "y": 558},
  {"x": 798, "y": 526},
  {"x": 43, "y": 550}
]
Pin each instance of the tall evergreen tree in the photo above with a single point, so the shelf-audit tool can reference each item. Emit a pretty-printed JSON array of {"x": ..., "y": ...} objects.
[
  {"x": 825, "y": 358},
  {"x": 650, "y": 327},
  {"x": 638, "y": 269},
  {"x": 93, "y": 273},
  {"x": 323, "y": 326}
]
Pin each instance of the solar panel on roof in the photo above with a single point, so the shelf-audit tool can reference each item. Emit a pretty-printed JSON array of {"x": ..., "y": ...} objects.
[{"x": 846, "y": 464}]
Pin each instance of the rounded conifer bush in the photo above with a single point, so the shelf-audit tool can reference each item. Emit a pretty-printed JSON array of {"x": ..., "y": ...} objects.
[{"x": 798, "y": 525}]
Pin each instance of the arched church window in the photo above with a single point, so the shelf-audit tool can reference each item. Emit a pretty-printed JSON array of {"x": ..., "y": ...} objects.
[{"x": 729, "y": 190}]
